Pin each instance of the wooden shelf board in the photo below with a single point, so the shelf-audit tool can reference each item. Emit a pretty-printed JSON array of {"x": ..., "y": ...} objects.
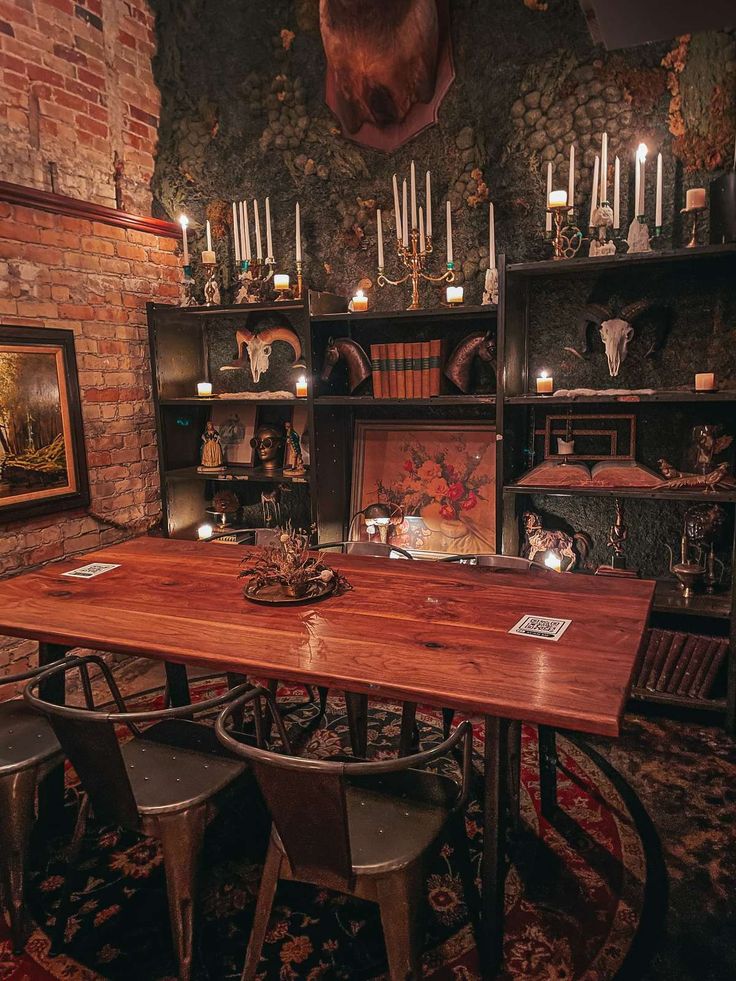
[
  {"x": 235, "y": 475},
  {"x": 642, "y": 492},
  {"x": 668, "y": 598},
  {"x": 664, "y": 396},
  {"x": 459, "y": 313},
  {"x": 568, "y": 267},
  {"x": 242, "y": 309},
  {"x": 678, "y": 701},
  {"x": 194, "y": 400},
  {"x": 435, "y": 400}
]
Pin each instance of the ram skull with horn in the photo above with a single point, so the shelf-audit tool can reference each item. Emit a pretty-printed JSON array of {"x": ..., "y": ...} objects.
[
  {"x": 616, "y": 328},
  {"x": 254, "y": 349}
]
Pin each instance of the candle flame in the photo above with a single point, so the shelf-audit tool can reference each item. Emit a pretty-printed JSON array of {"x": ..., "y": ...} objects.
[
  {"x": 360, "y": 295},
  {"x": 301, "y": 380},
  {"x": 641, "y": 152},
  {"x": 183, "y": 221},
  {"x": 553, "y": 562},
  {"x": 543, "y": 374}
]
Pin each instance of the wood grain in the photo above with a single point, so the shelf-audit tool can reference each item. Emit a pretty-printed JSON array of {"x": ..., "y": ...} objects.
[{"x": 419, "y": 631}]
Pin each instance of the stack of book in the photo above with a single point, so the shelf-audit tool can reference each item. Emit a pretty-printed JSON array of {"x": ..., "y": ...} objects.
[
  {"x": 406, "y": 370},
  {"x": 681, "y": 664}
]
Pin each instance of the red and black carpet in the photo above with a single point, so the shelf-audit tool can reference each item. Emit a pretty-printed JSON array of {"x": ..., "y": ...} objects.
[{"x": 582, "y": 895}]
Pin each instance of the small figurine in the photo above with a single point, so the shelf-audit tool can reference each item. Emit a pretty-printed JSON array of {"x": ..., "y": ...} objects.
[
  {"x": 490, "y": 288},
  {"x": 212, "y": 461},
  {"x": 293, "y": 461},
  {"x": 707, "y": 442},
  {"x": 540, "y": 540},
  {"x": 709, "y": 482},
  {"x": 638, "y": 238},
  {"x": 602, "y": 221}
]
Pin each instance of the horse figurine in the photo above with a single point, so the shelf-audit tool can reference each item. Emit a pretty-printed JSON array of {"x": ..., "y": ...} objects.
[
  {"x": 540, "y": 540},
  {"x": 357, "y": 361},
  {"x": 479, "y": 344}
]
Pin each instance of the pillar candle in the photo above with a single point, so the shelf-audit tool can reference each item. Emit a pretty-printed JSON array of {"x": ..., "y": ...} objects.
[
  {"x": 695, "y": 198},
  {"x": 397, "y": 209},
  {"x": 301, "y": 387},
  {"x": 257, "y": 224},
  {"x": 617, "y": 193},
  {"x": 571, "y": 180},
  {"x": 548, "y": 218},
  {"x": 429, "y": 206},
  {"x": 658, "y": 204},
  {"x": 413, "y": 179},
  {"x": 705, "y": 381},
  {"x": 184, "y": 221},
  {"x": 379, "y": 224},
  {"x": 204, "y": 389},
  {"x": 422, "y": 240},
  {"x": 269, "y": 242},
  {"x": 360, "y": 302},
  {"x": 604, "y": 168},
  {"x": 236, "y": 233},
  {"x": 209, "y": 236},
  {"x": 594, "y": 200},
  {"x": 405, "y": 214},
  {"x": 281, "y": 281},
  {"x": 545, "y": 384},
  {"x": 454, "y": 294},
  {"x": 298, "y": 232},
  {"x": 449, "y": 233},
  {"x": 557, "y": 199},
  {"x": 491, "y": 237}
]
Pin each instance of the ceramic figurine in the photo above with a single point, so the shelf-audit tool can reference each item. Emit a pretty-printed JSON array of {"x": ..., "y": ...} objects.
[
  {"x": 490, "y": 287},
  {"x": 638, "y": 238},
  {"x": 293, "y": 461},
  {"x": 212, "y": 459},
  {"x": 349, "y": 351},
  {"x": 540, "y": 540}
]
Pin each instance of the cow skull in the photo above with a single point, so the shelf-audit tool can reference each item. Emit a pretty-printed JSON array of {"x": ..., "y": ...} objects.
[
  {"x": 616, "y": 335},
  {"x": 258, "y": 348}
]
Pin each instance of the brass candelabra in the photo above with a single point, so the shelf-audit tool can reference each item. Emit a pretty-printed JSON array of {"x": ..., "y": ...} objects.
[{"x": 415, "y": 261}]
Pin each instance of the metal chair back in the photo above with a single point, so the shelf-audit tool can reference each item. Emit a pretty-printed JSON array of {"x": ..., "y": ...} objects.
[
  {"x": 307, "y": 797},
  {"x": 379, "y": 550},
  {"x": 502, "y": 563}
]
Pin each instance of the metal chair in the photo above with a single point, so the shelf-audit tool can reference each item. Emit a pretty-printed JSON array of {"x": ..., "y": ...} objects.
[
  {"x": 360, "y": 828},
  {"x": 378, "y": 550},
  {"x": 168, "y": 781},
  {"x": 29, "y": 751}
]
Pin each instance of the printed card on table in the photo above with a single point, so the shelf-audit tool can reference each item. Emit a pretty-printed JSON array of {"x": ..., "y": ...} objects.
[
  {"x": 91, "y": 570},
  {"x": 544, "y": 628}
]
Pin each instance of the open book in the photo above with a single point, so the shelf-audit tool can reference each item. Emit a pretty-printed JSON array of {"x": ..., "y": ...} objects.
[{"x": 607, "y": 473}]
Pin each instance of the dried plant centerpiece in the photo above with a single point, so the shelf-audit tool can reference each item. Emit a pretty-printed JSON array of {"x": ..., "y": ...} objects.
[{"x": 287, "y": 571}]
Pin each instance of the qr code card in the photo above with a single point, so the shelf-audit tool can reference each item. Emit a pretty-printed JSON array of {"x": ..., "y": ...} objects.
[
  {"x": 91, "y": 570},
  {"x": 544, "y": 628}
]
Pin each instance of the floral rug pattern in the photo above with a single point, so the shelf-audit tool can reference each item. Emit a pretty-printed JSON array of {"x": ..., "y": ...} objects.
[{"x": 579, "y": 894}]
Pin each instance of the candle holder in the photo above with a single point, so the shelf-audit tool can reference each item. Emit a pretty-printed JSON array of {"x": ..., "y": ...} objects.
[
  {"x": 211, "y": 287},
  {"x": 186, "y": 288},
  {"x": 415, "y": 261},
  {"x": 600, "y": 244},
  {"x": 490, "y": 288},
  {"x": 693, "y": 212},
  {"x": 567, "y": 237},
  {"x": 255, "y": 281}
]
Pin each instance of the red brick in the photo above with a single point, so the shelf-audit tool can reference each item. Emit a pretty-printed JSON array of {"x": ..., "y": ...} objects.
[{"x": 70, "y": 54}]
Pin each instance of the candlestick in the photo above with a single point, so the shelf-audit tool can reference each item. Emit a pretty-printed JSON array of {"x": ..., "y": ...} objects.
[
  {"x": 379, "y": 225},
  {"x": 617, "y": 194},
  {"x": 604, "y": 168},
  {"x": 705, "y": 381},
  {"x": 567, "y": 237},
  {"x": 301, "y": 387},
  {"x": 658, "y": 199},
  {"x": 209, "y": 236},
  {"x": 405, "y": 215},
  {"x": 359, "y": 302},
  {"x": 269, "y": 242},
  {"x": 422, "y": 241},
  {"x": 413, "y": 179},
  {"x": 257, "y": 223},
  {"x": 491, "y": 237},
  {"x": 397, "y": 210},
  {"x": 641, "y": 156},
  {"x": 545, "y": 384},
  {"x": 594, "y": 199},
  {"x": 211, "y": 288},
  {"x": 204, "y": 389},
  {"x": 429, "y": 205},
  {"x": 548, "y": 217},
  {"x": 298, "y": 232},
  {"x": 695, "y": 204},
  {"x": 454, "y": 295},
  {"x": 184, "y": 222},
  {"x": 449, "y": 235},
  {"x": 571, "y": 179}
]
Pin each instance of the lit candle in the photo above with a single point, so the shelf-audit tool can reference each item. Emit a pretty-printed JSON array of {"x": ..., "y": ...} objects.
[
  {"x": 298, "y": 232},
  {"x": 236, "y": 233},
  {"x": 548, "y": 218},
  {"x": 184, "y": 221},
  {"x": 557, "y": 199},
  {"x": 208, "y": 256},
  {"x": 454, "y": 294},
  {"x": 422, "y": 241},
  {"x": 204, "y": 389},
  {"x": 209, "y": 236},
  {"x": 379, "y": 223},
  {"x": 641, "y": 155},
  {"x": 594, "y": 199},
  {"x": 413, "y": 179},
  {"x": 637, "y": 181},
  {"x": 301, "y": 387},
  {"x": 617, "y": 193},
  {"x": 449, "y": 234},
  {"x": 204, "y": 532},
  {"x": 397, "y": 209},
  {"x": 429, "y": 206},
  {"x": 405, "y": 214},
  {"x": 269, "y": 243},
  {"x": 604, "y": 168},
  {"x": 360, "y": 302},
  {"x": 571, "y": 179},
  {"x": 257, "y": 223},
  {"x": 491, "y": 237},
  {"x": 705, "y": 382},
  {"x": 281, "y": 281},
  {"x": 658, "y": 204},
  {"x": 695, "y": 199},
  {"x": 553, "y": 562},
  {"x": 545, "y": 384}
]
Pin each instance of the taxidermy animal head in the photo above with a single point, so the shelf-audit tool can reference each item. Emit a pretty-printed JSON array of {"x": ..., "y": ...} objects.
[
  {"x": 254, "y": 349},
  {"x": 616, "y": 328},
  {"x": 383, "y": 55},
  {"x": 349, "y": 351},
  {"x": 459, "y": 365}
]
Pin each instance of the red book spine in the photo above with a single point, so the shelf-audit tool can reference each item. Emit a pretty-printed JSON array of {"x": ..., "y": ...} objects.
[
  {"x": 435, "y": 357},
  {"x": 425, "y": 370},
  {"x": 377, "y": 370},
  {"x": 400, "y": 375}
]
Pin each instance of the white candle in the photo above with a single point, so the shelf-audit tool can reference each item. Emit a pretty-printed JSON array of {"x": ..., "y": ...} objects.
[
  {"x": 695, "y": 198},
  {"x": 397, "y": 209},
  {"x": 449, "y": 234},
  {"x": 594, "y": 199},
  {"x": 280, "y": 281},
  {"x": 204, "y": 389},
  {"x": 658, "y": 204},
  {"x": 360, "y": 302},
  {"x": 209, "y": 236},
  {"x": 413, "y": 178},
  {"x": 545, "y": 384},
  {"x": 298, "y": 233},
  {"x": 184, "y": 221},
  {"x": 491, "y": 237},
  {"x": 244, "y": 232},
  {"x": 641, "y": 154},
  {"x": 405, "y": 214},
  {"x": 705, "y": 381},
  {"x": 269, "y": 242},
  {"x": 557, "y": 199},
  {"x": 548, "y": 218},
  {"x": 236, "y": 233},
  {"x": 604, "y": 168},
  {"x": 617, "y": 193},
  {"x": 257, "y": 223},
  {"x": 637, "y": 179},
  {"x": 301, "y": 387},
  {"x": 429, "y": 206},
  {"x": 454, "y": 294},
  {"x": 422, "y": 241},
  {"x": 571, "y": 179},
  {"x": 379, "y": 223}
]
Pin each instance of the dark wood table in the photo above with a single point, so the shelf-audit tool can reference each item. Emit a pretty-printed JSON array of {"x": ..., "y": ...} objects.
[{"x": 416, "y": 631}]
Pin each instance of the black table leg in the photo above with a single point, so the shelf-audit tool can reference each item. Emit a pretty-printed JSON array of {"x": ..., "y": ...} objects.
[
  {"x": 493, "y": 868},
  {"x": 357, "y": 706},
  {"x": 177, "y": 684},
  {"x": 51, "y": 788}
]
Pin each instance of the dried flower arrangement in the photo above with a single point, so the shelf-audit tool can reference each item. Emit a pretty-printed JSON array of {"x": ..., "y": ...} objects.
[{"x": 289, "y": 565}]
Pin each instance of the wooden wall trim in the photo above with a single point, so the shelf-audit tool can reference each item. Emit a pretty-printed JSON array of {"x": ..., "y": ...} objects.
[{"x": 60, "y": 204}]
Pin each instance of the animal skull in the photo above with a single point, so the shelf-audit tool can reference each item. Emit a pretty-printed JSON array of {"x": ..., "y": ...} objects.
[
  {"x": 258, "y": 347},
  {"x": 616, "y": 335},
  {"x": 259, "y": 353}
]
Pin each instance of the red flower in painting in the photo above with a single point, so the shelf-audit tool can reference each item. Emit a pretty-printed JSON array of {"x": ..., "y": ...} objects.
[
  {"x": 469, "y": 503},
  {"x": 456, "y": 491},
  {"x": 408, "y": 466},
  {"x": 447, "y": 512}
]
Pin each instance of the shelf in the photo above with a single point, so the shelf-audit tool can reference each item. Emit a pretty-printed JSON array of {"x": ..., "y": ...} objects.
[
  {"x": 668, "y": 598},
  {"x": 678, "y": 701},
  {"x": 641, "y": 492},
  {"x": 226, "y": 310},
  {"x": 568, "y": 267},
  {"x": 664, "y": 396},
  {"x": 434, "y": 400},
  {"x": 236, "y": 475},
  {"x": 459, "y": 313},
  {"x": 194, "y": 400}
]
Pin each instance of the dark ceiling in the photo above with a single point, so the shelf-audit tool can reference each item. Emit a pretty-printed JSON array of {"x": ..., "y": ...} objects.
[{"x": 624, "y": 23}]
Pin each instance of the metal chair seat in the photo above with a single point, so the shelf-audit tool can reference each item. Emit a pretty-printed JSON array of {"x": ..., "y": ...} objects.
[{"x": 26, "y": 738}]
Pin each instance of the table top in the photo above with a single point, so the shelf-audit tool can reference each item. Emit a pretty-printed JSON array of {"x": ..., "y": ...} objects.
[{"x": 419, "y": 631}]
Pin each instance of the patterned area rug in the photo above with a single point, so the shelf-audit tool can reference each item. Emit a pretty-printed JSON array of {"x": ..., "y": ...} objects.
[{"x": 582, "y": 895}]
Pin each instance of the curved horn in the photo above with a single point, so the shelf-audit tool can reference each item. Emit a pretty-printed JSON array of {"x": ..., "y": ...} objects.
[
  {"x": 594, "y": 313},
  {"x": 243, "y": 337},
  {"x": 271, "y": 334},
  {"x": 631, "y": 311}
]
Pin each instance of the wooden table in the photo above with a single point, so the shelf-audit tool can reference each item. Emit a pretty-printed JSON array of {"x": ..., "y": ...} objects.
[{"x": 415, "y": 631}]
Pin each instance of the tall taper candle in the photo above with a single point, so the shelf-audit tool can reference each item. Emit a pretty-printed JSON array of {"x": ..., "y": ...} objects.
[
  {"x": 641, "y": 156},
  {"x": 298, "y": 233},
  {"x": 405, "y": 214},
  {"x": 257, "y": 223},
  {"x": 548, "y": 218},
  {"x": 429, "y": 206},
  {"x": 209, "y": 236},
  {"x": 422, "y": 240},
  {"x": 184, "y": 221},
  {"x": 658, "y": 206},
  {"x": 397, "y": 210},
  {"x": 491, "y": 237},
  {"x": 594, "y": 199},
  {"x": 449, "y": 233},
  {"x": 246, "y": 231},
  {"x": 570, "y": 180},
  {"x": 236, "y": 233},
  {"x": 413, "y": 179},
  {"x": 604, "y": 168},
  {"x": 379, "y": 224},
  {"x": 617, "y": 193},
  {"x": 269, "y": 242}
]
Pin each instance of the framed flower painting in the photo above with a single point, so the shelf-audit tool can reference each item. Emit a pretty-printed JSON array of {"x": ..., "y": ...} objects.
[{"x": 439, "y": 478}]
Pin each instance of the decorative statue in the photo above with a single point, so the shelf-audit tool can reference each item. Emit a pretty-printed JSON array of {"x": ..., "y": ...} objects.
[
  {"x": 268, "y": 442},
  {"x": 490, "y": 288},
  {"x": 539, "y": 540},
  {"x": 293, "y": 461},
  {"x": 211, "y": 450},
  {"x": 617, "y": 535},
  {"x": 254, "y": 349},
  {"x": 459, "y": 365},
  {"x": 349, "y": 351},
  {"x": 271, "y": 507},
  {"x": 638, "y": 238},
  {"x": 703, "y": 523},
  {"x": 710, "y": 482},
  {"x": 602, "y": 220},
  {"x": 617, "y": 329},
  {"x": 707, "y": 442}
]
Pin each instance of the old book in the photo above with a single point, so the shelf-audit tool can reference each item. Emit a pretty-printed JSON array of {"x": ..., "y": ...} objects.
[
  {"x": 682, "y": 662},
  {"x": 676, "y": 644},
  {"x": 646, "y": 663},
  {"x": 400, "y": 371},
  {"x": 435, "y": 359},
  {"x": 425, "y": 369},
  {"x": 391, "y": 370},
  {"x": 416, "y": 367},
  {"x": 607, "y": 473},
  {"x": 710, "y": 675},
  {"x": 377, "y": 369},
  {"x": 658, "y": 659},
  {"x": 409, "y": 370},
  {"x": 699, "y": 651}
]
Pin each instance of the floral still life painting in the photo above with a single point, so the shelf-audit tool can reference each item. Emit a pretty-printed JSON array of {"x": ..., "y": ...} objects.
[{"x": 439, "y": 476}]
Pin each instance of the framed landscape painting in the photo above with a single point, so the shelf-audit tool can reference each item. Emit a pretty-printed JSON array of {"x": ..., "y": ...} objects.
[
  {"x": 42, "y": 463},
  {"x": 439, "y": 477}
]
